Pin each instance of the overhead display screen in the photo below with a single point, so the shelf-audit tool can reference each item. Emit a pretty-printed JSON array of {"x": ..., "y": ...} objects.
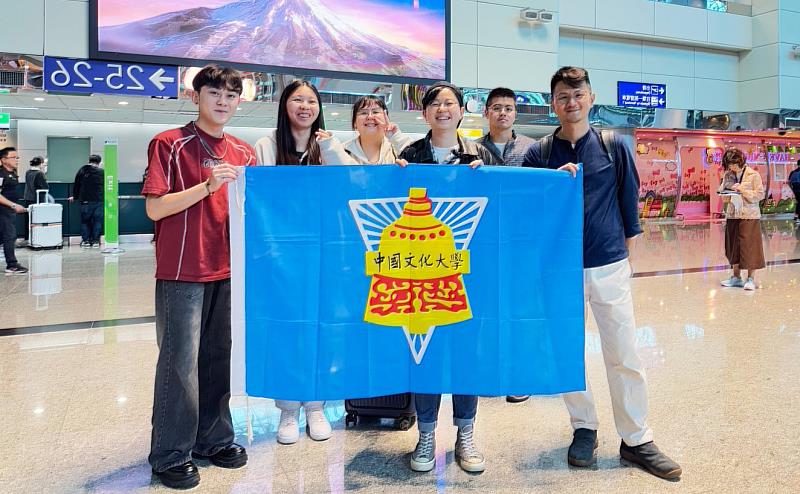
[{"x": 390, "y": 40}]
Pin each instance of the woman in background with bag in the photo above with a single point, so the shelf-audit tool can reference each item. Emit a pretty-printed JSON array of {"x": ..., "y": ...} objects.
[{"x": 742, "y": 189}]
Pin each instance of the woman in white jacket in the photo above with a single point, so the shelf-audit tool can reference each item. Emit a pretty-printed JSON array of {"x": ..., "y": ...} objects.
[
  {"x": 378, "y": 141},
  {"x": 293, "y": 143}
]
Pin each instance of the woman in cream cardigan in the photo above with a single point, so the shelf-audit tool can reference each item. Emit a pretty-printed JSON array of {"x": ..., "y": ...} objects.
[
  {"x": 743, "y": 189},
  {"x": 378, "y": 141}
]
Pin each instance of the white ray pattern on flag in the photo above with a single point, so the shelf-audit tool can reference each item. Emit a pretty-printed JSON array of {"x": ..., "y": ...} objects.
[{"x": 461, "y": 214}]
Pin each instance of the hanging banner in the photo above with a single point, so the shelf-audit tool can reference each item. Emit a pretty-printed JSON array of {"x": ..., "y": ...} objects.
[{"x": 353, "y": 282}]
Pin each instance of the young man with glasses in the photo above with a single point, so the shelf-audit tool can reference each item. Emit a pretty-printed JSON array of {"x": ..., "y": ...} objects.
[
  {"x": 9, "y": 179},
  {"x": 186, "y": 189},
  {"x": 507, "y": 147},
  {"x": 611, "y": 221}
]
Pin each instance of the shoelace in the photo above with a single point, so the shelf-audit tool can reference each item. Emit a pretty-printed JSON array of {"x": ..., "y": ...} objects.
[
  {"x": 288, "y": 419},
  {"x": 315, "y": 416},
  {"x": 468, "y": 449},
  {"x": 425, "y": 445}
]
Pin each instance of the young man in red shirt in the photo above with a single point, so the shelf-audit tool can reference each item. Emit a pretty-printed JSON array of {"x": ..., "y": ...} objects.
[{"x": 187, "y": 196}]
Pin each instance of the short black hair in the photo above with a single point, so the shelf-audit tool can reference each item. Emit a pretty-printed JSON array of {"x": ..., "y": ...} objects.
[
  {"x": 365, "y": 102},
  {"x": 218, "y": 77},
  {"x": 95, "y": 158},
  {"x": 500, "y": 92},
  {"x": 4, "y": 152},
  {"x": 37, "y": 160},
  {"x": 571, "y": 76},
  {"x": 433, "y": 91}
]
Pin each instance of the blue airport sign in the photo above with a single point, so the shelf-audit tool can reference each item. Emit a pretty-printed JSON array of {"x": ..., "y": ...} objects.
[
  {"x": 69, "y": 75},
  {"x": 641, "y": 95}
]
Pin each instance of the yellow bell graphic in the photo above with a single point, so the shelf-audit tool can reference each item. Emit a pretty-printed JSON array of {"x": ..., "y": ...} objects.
[{"x": 417, "y": 272}]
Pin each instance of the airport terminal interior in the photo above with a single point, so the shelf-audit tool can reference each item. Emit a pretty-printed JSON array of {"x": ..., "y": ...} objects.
[{"x": 680, "y": 82}]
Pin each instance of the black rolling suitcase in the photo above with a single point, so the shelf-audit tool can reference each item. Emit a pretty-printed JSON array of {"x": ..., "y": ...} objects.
[{"x": 399, "y": 407}]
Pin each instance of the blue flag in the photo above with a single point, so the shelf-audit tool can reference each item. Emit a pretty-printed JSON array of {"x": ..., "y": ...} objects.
[{"x": 354, "y": 282}]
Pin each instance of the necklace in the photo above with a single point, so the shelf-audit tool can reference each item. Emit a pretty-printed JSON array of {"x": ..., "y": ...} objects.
[{"x": 208, "y": 148}]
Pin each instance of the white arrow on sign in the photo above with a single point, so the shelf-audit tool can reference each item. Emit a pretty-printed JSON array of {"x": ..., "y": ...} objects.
[
  {"x": 661, "y": 90},
  {"x": 661, "y": 101},
  {"x": 158, "y": 78}
]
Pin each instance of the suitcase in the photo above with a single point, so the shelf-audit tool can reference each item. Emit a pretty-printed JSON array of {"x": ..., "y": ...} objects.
[
  {"x": 44, "y": 224},
  {"x": 44, "y": 213},
  {"x": 399, "y": 407},
  {"x": 45, "y": 236}
]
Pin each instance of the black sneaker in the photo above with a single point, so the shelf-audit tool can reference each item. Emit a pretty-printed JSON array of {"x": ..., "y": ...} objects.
[
  {"x": 581, "y": 451},
  {"x": 183, "y": 476},
  {"x": 16, "y": 269},
  {"x": 517, "y": 398},
  {"x": 233, "y": 456},
  {"x": 86, "y": 245},
  {"x": 649, "y": 457}
]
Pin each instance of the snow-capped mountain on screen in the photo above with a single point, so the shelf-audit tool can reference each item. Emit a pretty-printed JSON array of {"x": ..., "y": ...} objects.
[{"x": 287, "y": 33}]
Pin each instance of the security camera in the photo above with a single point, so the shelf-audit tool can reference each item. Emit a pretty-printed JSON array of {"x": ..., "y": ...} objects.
[
  {"x": 546, "y": 16},
  {"x": 796, "y": 51},
  {"x": 529, "y": 15}
]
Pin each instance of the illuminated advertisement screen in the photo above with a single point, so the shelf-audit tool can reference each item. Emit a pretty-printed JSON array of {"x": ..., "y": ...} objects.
[{"x": 386, "y": 40}]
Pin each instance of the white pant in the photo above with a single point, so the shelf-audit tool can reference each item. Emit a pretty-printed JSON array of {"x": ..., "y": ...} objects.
[
  {"x": 607, "y": 289},
  {"x": 295, "y": 405}
]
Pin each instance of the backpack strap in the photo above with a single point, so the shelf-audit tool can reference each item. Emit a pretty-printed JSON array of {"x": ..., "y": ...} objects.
[
  {"x": 545, "y": 148},
  {"x": 609, "y": 141}
]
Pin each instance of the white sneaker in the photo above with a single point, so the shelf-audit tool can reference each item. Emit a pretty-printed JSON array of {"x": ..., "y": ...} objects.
[
  {"x": 319, "y": 429},
  {"x": 733, "y": 282},
  {"x": 467, "y": 454},
  {"x": 288, "y": 430},
  {"x": 750, "y": 284},
  {"x": 424, "y": 456}
]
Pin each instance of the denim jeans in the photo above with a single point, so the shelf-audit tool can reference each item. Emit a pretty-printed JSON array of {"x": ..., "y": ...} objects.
[
  {"x": 192, "y": 387},
  {"x": 8, "y": 234},
  {"x": 91, "y": 221},
  {"x": 464, "y": 409}
]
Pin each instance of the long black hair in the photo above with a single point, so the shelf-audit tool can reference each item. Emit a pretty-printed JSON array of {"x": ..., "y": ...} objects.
[{"x": 286, "y": 144}]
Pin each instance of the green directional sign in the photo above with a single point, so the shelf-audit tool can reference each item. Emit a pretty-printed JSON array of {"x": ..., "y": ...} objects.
[
  {"x": 5, "y": 120},
  {"x": 111, "y": 199}
]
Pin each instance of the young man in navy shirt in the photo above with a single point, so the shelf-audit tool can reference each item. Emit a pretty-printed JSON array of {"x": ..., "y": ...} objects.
[{"x": 611, "y": 222}]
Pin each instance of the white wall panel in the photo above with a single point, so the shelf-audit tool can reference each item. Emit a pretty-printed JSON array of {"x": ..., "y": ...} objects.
[
  {"x": 680, "y": 90},
  {"x": 730, "y": 29},
  {"x": 464, "y": 65},
  {"x": 502, "y": 27},
  {"x": 517, "y": 69},
  {"x": 67, "y": 28},
  {"x": 667, "y": 59},
  {"x": 765, "y": 28},
  {"x": 612, "y": 53},
  {"x": 23, "y": 27},
  {"x": 579, "y": 13},
  {"x": 762, "y": 6},
  {"x": 464, "y": 22},
  {"x": 679, "y": 22},
  {"x": 790, "y": 26},
  {"x": 759, "y": 63},
  {"x": 626, "y": 16},
  {"x": 715, "y": 95},
  {"x": 570, "y": 50},
  {"x": 709, "y": 64},
  {"x": 604, "y": 84},
  {"x": 759, "y": 94},
  {"x": 790, "y": 92}
]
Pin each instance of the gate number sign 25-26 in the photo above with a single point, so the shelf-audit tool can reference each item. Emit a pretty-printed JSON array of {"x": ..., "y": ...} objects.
[{"x": 69, "y": 75}]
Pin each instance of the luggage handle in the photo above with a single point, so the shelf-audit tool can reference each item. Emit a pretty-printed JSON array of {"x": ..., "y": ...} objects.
[{"x": 39, "y": 194}]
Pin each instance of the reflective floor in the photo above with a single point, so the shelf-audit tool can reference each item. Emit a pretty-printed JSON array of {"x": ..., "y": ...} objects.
[{"x": 722, "y": 365}]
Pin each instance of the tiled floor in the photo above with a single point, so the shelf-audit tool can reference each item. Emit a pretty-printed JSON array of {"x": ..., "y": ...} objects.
[{"x": 722, "y": 366}]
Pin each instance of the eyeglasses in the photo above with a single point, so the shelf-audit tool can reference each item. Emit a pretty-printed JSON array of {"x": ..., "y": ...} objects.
[
  {"x": 502, "y": 108},
  {"x": 374, "y": 112},
  {"x": 564, "y": 99},
  {"x": 447, "y": 104}
]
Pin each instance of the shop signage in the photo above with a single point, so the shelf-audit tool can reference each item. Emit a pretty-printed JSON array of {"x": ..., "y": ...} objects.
[
  {"x": 641, "y": 95},
  {"x": 5, "y": 121},
  {"x": 68, "y": 75}
]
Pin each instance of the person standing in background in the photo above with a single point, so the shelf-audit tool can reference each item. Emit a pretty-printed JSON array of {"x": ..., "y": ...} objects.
[
  {"x": 34, "y": 180},
  {"x": 9, "y": 162},
  {"x": 88, "y": 189},
  {"x": 794, "y": 184}
]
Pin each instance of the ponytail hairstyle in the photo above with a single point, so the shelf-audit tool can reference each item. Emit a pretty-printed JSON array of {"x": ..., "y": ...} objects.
[{"x": 286, "y": 144}]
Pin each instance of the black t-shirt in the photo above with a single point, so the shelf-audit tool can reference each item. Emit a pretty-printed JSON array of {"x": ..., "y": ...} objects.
[{"x": 8, "y": 184}]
